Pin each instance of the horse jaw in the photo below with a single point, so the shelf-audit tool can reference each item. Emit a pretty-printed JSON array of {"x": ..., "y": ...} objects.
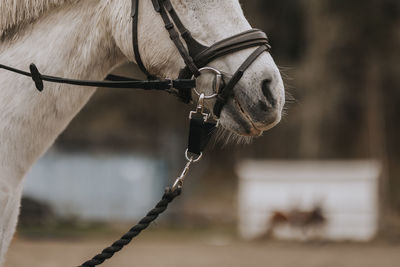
[{"x": 252, "y": 111}]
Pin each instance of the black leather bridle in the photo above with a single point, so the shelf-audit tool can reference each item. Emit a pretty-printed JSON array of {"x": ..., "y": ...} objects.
[{"x": 195, "y": 55}]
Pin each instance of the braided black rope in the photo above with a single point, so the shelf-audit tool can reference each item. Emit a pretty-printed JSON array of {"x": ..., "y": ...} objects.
[{"x": 108, "y": 252}]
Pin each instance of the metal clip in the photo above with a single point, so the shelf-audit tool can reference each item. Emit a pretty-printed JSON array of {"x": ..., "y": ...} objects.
[
  {"x": 179, "y": 181},
  {"x": 200, "y": 109}
]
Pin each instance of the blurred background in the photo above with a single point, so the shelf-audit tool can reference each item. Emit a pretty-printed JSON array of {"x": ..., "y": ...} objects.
[{"x": 320, "y": 189}]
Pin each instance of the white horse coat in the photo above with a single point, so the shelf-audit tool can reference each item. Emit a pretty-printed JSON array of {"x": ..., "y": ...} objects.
[{"x": 86, "y": 39}]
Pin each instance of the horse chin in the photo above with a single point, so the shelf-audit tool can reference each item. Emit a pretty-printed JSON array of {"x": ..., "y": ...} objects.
[{"x": 237, "y": 125}]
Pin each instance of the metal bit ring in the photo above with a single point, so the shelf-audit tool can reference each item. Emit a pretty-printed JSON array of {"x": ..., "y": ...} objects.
[{"x": 216, "y": 83}]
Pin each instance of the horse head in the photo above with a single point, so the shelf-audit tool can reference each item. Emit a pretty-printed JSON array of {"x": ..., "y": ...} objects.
[{"x": 258, "y": 98}]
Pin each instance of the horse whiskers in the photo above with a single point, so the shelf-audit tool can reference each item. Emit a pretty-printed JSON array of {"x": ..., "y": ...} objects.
[
  {"x": 226, "y": 137},
  {"x": 289, "y": 100}
]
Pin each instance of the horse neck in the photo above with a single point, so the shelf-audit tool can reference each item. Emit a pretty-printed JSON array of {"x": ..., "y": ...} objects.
[{"x": 71, "y": 42}]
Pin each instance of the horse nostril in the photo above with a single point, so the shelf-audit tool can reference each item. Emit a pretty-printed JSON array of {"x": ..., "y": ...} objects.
[{"x": 266, "y": 89}]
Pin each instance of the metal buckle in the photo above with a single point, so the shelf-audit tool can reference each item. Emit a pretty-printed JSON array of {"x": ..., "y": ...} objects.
[
  {"x": 216, "y": 83},
  {"x": 171, "y": 89}
]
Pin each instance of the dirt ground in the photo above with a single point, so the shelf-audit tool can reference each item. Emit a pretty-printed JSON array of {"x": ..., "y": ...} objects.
[{"x": 205, "y": 251}]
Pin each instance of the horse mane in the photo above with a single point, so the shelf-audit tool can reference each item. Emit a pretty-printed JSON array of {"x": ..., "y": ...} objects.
[{"x": 16, "y": 13}]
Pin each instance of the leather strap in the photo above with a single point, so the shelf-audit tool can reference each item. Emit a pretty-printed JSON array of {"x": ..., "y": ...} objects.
[
  {"x": 227, "y": 91},
  {"x": 241, "y": 41},
  {"x": 174, "y": 35},
  {"x": 165, "y": 9},
  {"x": 115, "y": 81},
  {"x": 194, "y": 47},
  {"x": 200, "y": 133},
  {"x": 135, "y": 42}
]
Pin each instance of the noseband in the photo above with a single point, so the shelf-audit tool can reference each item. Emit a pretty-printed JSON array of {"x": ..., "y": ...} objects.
[{"x": 195, "y": 55}]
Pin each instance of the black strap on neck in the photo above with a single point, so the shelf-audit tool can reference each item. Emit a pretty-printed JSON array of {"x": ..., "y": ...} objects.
[{"x": 135, "y": 29}]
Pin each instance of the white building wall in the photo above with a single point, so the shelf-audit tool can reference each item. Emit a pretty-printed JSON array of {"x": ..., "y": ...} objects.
[{"x": 347, "y": 191}]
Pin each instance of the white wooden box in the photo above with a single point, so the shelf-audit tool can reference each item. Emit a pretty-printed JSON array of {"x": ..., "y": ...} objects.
[{"x": 346, "y": 190}]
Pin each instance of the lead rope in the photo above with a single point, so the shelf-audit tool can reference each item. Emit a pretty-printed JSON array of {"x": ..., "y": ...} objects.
[
  {"x": 201, "y": 128},
  {"x": 151, "y": 216}
]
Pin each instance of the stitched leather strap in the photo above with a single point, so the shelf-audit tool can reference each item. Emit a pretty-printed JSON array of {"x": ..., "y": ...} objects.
[
  {"x": 194, "y": 47},
  {"x": 174, "y": 35},
  {"x": 241, "y": 41}
]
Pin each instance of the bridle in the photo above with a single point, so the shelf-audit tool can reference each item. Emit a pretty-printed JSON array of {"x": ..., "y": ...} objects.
[{"x": 196, "y": 56}]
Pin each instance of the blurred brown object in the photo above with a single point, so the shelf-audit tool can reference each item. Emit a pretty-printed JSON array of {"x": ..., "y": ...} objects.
[{"x": 309, "y": 222}]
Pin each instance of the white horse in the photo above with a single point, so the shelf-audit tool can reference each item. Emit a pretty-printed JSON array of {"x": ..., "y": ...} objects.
[{"x": 86, "y": 39}]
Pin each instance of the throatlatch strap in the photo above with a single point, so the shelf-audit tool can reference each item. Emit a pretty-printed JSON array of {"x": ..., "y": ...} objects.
[{"x": 227, "y": 91}]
